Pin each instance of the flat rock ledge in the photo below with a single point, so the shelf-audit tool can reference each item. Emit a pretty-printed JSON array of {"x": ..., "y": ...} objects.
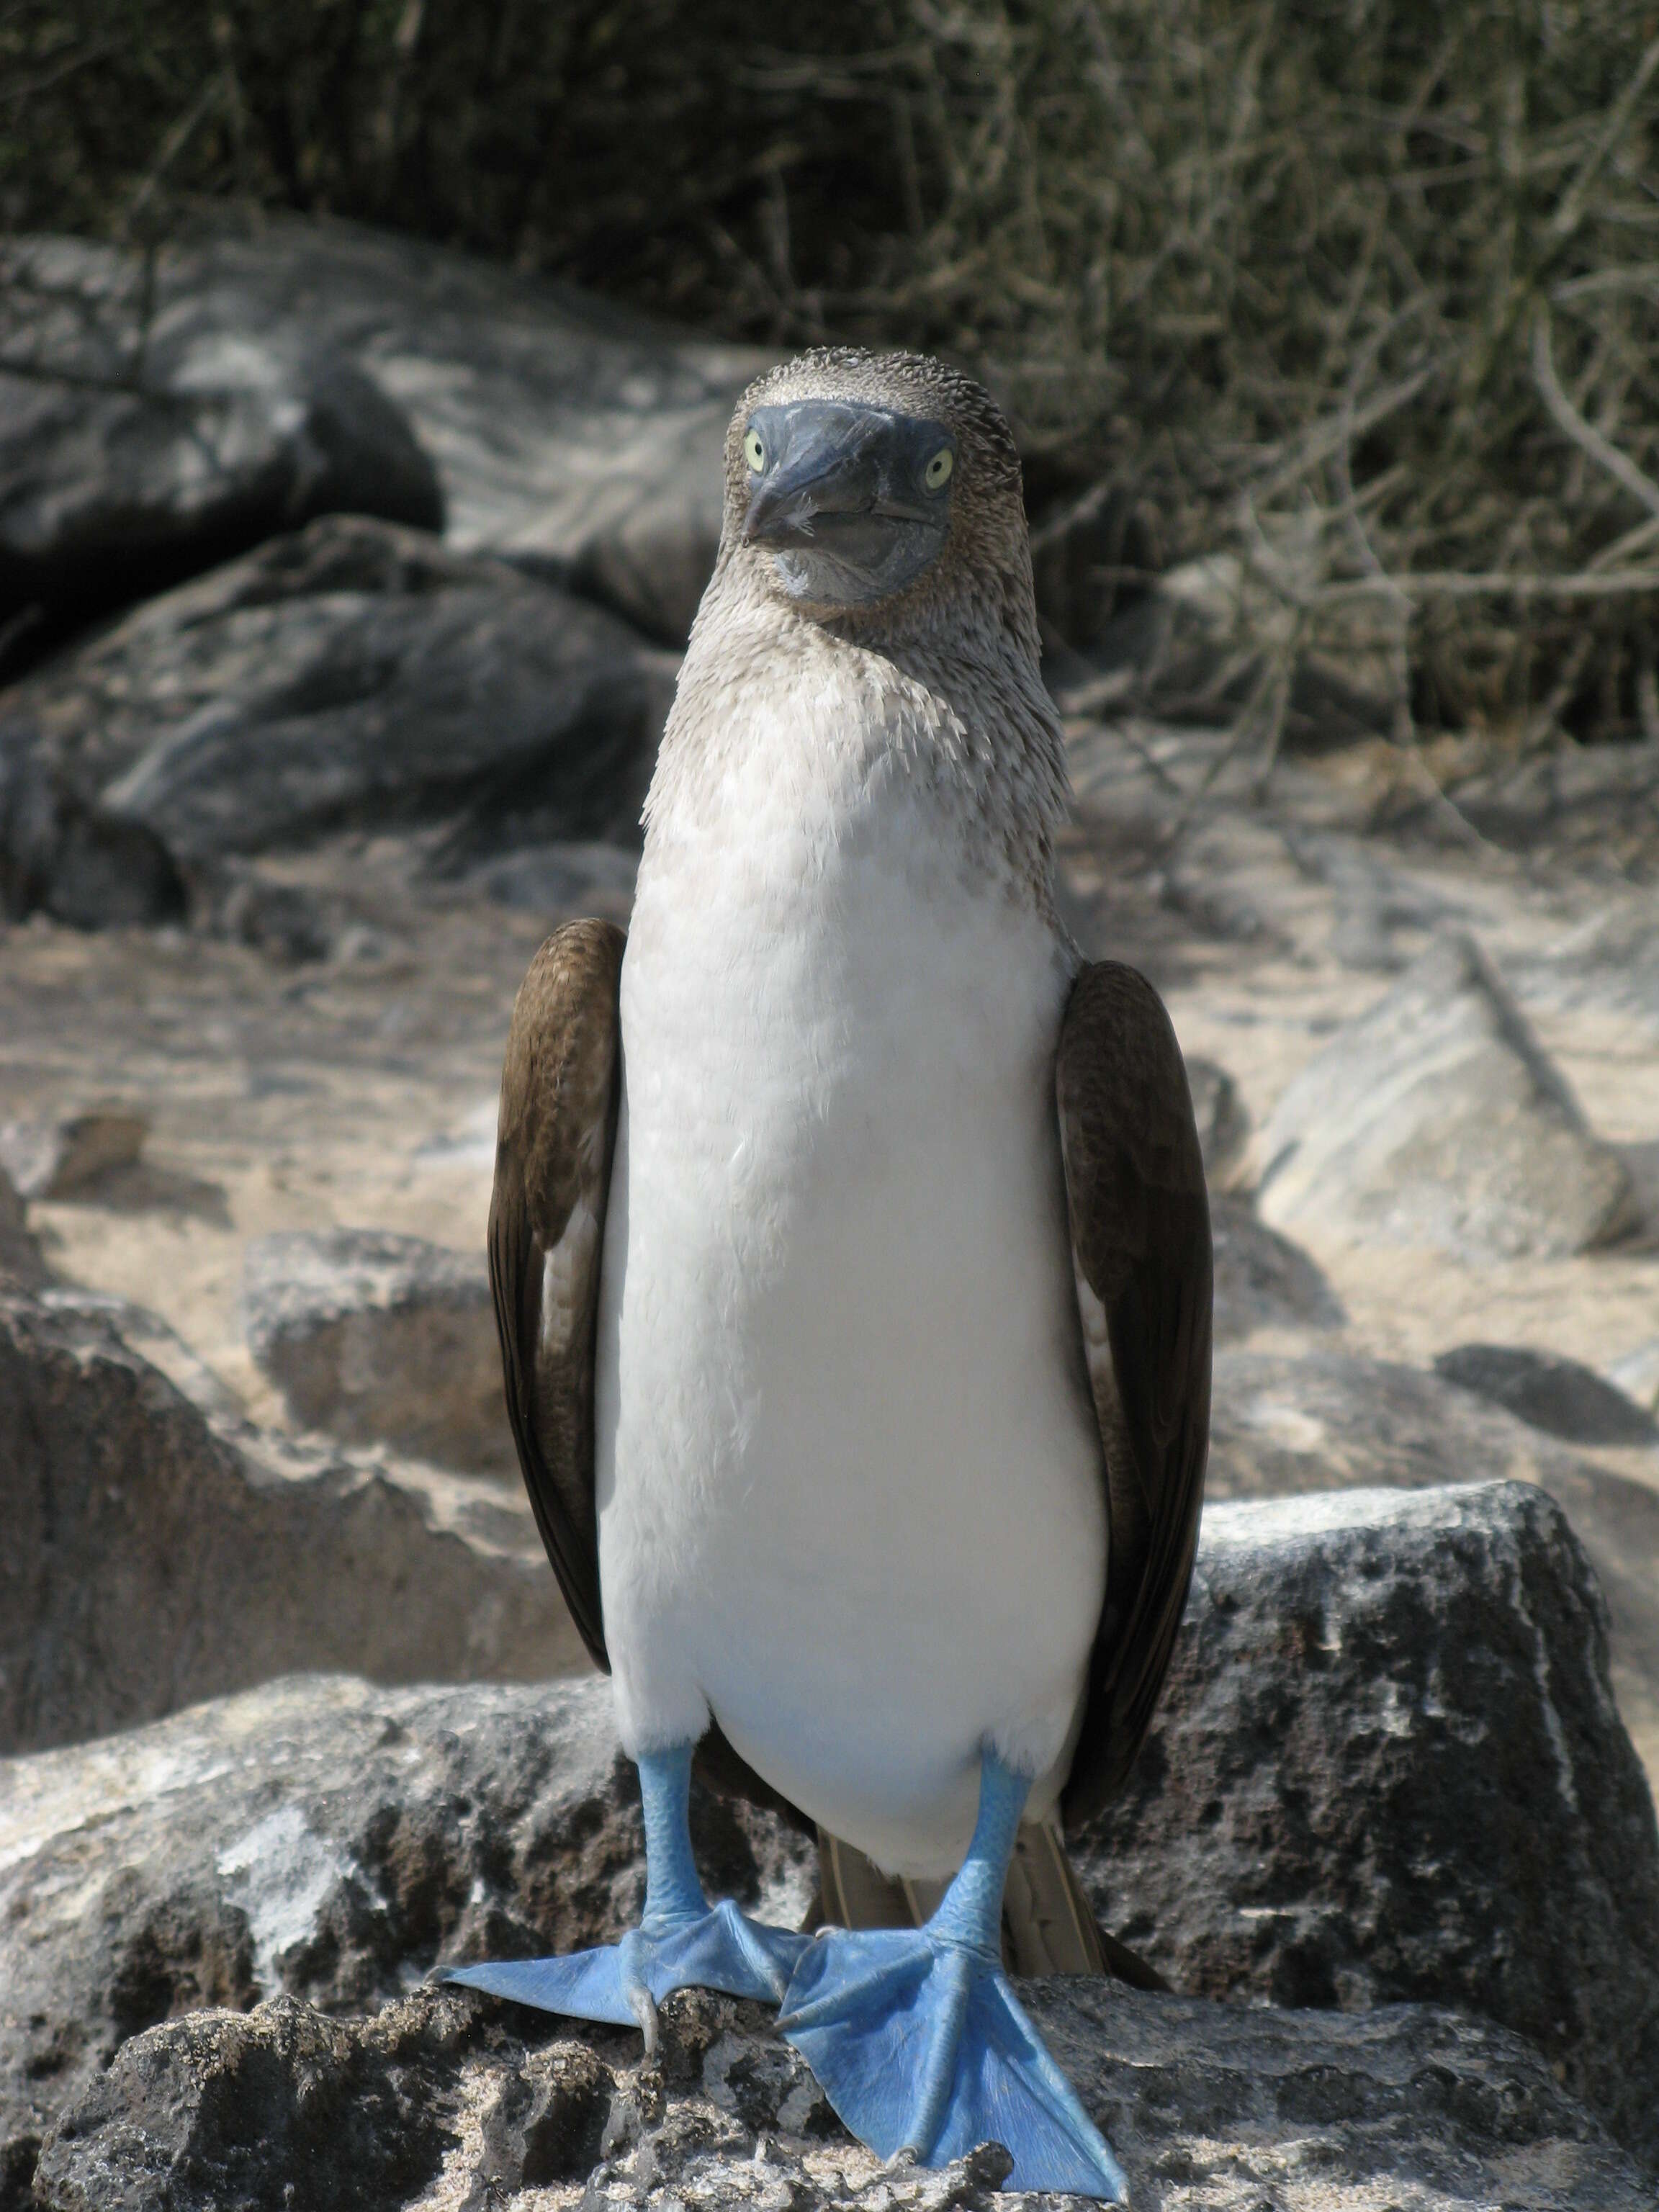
[{"x": 457, "y": 2104}]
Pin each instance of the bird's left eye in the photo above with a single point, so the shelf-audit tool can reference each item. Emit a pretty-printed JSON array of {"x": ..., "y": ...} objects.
[
  {"x": 754, "y": 452},
  {"x": 937, "y": 474}
]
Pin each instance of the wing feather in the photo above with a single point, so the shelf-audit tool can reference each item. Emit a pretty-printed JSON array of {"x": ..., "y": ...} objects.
[
  {"x": 1142, "y": 1257},
  {"x": 560, "y": 1087}
]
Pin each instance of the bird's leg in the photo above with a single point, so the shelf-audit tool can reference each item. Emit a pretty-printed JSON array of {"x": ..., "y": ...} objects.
[
  {"x": 920, "y": 2044},
  {"x": 682, "y": 1941}
]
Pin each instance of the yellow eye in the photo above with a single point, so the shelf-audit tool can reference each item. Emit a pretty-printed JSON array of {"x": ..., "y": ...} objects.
[
  {"x": 753, "y": 451},
  {"x": 938, "y": 473}
]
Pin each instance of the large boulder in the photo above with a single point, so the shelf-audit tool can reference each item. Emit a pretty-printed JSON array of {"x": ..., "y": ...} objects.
[
  {"x": 1436, "y": 1119},
  {"x": 139, "y": 443},
  {"x": 565, "y": 430},
  {"x": 1563, "y": 1397},
  {"x": 1389, "y": 1765},
  {"x": 444, "y": 2100},
  {"x": 380, "y": 1337},
  {"x": 354, "y": 672},
  {"x": 153, "y": 1555},
  {"x": 323, "y": 1838},
  {"x": 1319, "y": 1418}
]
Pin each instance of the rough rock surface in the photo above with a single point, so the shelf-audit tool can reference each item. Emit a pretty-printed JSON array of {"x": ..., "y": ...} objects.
[
  {"x": 1434, "y": 1118},
  {"x": 1563, "y": 1397},
  {"x": 1261, "y": 1280},
  {"x": 1357, "y": 1791},
  {"x": 153, "y": 1557},
  {"x": 1388, "y": 1765},
  {"x": 564, "y": 430},
  {"x": 1325, "y": 1419},
  {"x": 133, "y": 453},
  {"x": 353, "y": 672},
  {"x": 59, "y": 1157},
  {"x": 63, "y": 854},
  {"x": 21, "y": 1262},
  {"x": 380, "y": 1337},
  {"x": 451, "y": 2102},
  {"x": 323, "y": 1838}
]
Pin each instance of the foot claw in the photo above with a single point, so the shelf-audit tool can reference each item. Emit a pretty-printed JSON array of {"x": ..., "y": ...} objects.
[{"x": 920, "y": 2044}]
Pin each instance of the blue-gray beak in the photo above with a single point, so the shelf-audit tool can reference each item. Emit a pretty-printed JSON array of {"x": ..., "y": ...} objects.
[{"x": 853, "y": 501}]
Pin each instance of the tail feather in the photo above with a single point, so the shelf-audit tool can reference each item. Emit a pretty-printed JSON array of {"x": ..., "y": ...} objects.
[{"x": 1048, "y": 1926}]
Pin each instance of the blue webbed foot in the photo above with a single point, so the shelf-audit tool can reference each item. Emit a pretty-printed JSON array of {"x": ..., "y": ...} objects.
[
  {"x": 921, "y": 2044},
  {"x": 681, "y": 1942},
  {"x": 717, "y": 1949}
]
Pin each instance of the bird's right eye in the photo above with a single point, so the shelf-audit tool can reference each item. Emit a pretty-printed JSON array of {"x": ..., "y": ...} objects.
[{"x": 754, "y": 452}]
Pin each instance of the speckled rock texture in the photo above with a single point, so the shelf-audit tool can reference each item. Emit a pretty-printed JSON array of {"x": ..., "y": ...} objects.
[
  {"x": 1388, "y": 1765},
  {"x": 323, "y": 1838},
  {"x": 450, "y": 2103}
]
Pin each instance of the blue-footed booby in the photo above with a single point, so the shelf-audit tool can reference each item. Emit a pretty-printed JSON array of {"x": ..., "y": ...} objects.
[{"x": 852, "y": 1261}]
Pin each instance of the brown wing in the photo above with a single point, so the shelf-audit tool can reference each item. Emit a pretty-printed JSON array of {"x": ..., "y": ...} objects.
[
  {"x": 561, "y": 1084},
  {"x": 1140, "y": 1249}
]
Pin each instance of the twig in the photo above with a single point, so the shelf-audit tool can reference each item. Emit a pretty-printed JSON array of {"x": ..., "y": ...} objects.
[{"x": 1584, "y": 435}]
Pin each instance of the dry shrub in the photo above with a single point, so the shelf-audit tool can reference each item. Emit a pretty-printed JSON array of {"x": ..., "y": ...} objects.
[{"x": 1366, "y": 294}]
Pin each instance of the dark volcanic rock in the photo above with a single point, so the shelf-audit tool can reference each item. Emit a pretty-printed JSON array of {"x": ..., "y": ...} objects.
[
  {"x": 1261, "y": 1280},
  {"x": 1561, "y": 1396},
  {"x": 354, "y": 672},
  {"x": 448, "y": 2102},
  {"x": 67, "y": 1155},
  {"x": 1436, "y": 1119},
  {"x": 1389, "y": 1765},
  {"x": 565, "y": 431},
  {"x": 64, "y": 855},
  {"x": 1326, "y": 1419},
  {"x": 325, "y": 1839},
  {"x": 152, "y": 1556},
  {"x": 136, "y": 450},
  {"x": 376, "y": 1336}
]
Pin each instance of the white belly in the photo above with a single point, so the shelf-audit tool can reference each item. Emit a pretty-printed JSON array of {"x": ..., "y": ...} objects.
[{"x": 848, "y": 1475}]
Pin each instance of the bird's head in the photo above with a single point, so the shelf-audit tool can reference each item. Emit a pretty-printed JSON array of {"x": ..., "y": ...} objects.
[{"x": 856, "y": 480}]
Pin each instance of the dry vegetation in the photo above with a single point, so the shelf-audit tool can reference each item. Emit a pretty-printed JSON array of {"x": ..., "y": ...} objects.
[{"x": 1366, "y": 295}]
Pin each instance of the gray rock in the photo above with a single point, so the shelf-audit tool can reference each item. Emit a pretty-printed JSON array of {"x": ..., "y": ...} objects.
[
  {"x": 65, "y": 1156},
  {"x": 1389, "y": 1765},
  {"x": 1326, "y": 1419},
  {"x": 135, "y": 452},
  {"x": 375, "y": 1337},
  {"x": 154, "y": 1556},
  {"x": 1261, "y": 1280},
  {"x": 562, "y": 879},
  {"x": 21, "y": 1263},
  {"x": 63, "y": 854},
  {"x": 1355, "y": 1792},
  {"x": 566, "y": 431},
  {"x": 324, "y": 1838},
  {"x": 1563, "y": 1397},
  {"x": 356, "y": 673},
  {"x": 1638, "y": 1375},
  {"x": 440, "y": 2100},
  {"x": 1434, "y": 1118},
  {"x": 1223, "y": 1123}
]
